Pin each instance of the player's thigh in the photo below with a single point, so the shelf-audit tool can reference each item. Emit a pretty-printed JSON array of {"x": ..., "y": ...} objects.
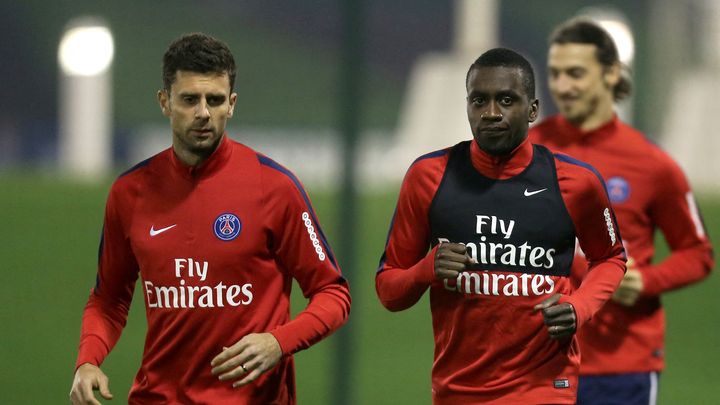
[{"x": 618, "y": 389}]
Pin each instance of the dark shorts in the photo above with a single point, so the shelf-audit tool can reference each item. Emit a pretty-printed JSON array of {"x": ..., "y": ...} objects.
[{"x": 618, "y": 389}]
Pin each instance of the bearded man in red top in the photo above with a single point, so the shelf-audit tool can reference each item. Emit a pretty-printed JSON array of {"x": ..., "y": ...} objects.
[
  {"x": 623, "y": 346},
  {"x": 217, "y": 232}
]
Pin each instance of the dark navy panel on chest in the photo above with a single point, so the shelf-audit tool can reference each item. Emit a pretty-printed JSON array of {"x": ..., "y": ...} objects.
[{"x": 519, "y": 224}]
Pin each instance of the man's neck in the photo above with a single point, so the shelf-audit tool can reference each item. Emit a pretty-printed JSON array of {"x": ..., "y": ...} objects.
[
  {"x": 190, "y": 158},
  {"x": 601, "y": 116}
]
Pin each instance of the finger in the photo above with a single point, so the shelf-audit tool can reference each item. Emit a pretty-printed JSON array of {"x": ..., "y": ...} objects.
[
  {"x": 453, "y": 247},
  {"x": 232, "y": 363},
  {"x": 252, "y": 376},
  {"x": 105, "y": 388},
  {"x": 560, "y": 320},
  {"x": 75, "y": 396},
  {"x": 558, "y": 332},
  {"x": 453, "y": 257},
  {"x": 229, "y": 352},
  {"x": 450, "y": 265},
  {"x": 444, "y": 273},
  {"x": 87, "y": 396},
  {"x": 557, "y": 311},
  {"x": 552, "y": 300},
  {"x": 235, "y": 373}
]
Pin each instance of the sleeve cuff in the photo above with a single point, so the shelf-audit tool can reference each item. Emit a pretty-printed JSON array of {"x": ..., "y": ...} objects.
[
  {"x": 425, "y": 274},
  {"x": 92, "y": 350},
  {"x": 581, "y": 316}
]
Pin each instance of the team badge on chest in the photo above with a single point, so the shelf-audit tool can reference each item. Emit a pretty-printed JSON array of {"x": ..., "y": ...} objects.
[
  {"x": 618, "y": 189},
  {"x": 227, "y": 227}
]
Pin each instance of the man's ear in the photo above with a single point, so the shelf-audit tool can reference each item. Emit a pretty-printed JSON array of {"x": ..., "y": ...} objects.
[
  {"x": 611, "y": 75},
  {"x": 534, "y": 110},
  {"x": 164, "y": 100},
  {"x": 231, "y": 110}
]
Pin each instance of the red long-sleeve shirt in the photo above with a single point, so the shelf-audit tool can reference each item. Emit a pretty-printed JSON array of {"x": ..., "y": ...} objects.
[
  {"x": 217, "y": 247},
  {"x": 484, "y": 354},
  {"x": 648, "y": 191}
]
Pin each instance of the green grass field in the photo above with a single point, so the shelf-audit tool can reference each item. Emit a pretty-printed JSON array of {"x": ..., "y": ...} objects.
[{"x": 48, "y": 248}]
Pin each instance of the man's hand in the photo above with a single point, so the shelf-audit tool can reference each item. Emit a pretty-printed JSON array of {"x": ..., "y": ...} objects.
[
  {"x": 630, "y": 287},
  {"x": 450, "y": 260},
  {"x": 559, "y": 318},
  {"x": 251, "y": 356},
  {"x": 89, "y": 377}
]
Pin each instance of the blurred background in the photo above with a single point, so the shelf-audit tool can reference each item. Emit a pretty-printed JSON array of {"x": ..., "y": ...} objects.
[{"x": 346, "y": 93}]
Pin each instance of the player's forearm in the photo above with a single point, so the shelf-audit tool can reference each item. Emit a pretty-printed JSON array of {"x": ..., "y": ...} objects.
[
  {"x": 400, "y": 288},
  {"x": 327, "y": 311},
  {"x": 681, "y": 268},
  {"x": 102, "y": 326},
  {"x": 597, "y": 287}
]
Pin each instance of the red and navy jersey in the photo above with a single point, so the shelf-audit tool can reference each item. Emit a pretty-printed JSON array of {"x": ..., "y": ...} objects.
[
  {"x": 490, "y": 346},
  {"x": 648, "y": 191},
  {"x": 217, "y": 247}
]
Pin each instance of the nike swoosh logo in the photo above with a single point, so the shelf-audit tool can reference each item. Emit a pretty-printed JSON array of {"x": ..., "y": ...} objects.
[
  {"x": 154, "y": 232},
  {"x": 529, "y": 193}
]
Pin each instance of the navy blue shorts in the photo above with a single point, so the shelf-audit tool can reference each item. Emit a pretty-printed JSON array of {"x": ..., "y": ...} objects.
[{"x": 618, "y": 389}]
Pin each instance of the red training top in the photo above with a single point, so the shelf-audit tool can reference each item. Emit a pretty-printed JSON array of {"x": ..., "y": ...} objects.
[
  {"x": 491, "y": 347},
  {"x": 217, "y": 247},
  {"x": 648, "y": 191}
]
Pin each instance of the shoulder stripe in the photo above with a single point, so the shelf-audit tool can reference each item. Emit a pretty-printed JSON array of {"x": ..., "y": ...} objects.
[
  {"x": 266, "y": 161},
  {"x": 387, "y": 242},
  {"x": 437, "y": 153},
  {"x": 137, "y": 166},
  {"x": 101, "y": 247},
  {"x": 571, "y": 160},
  {"x": 568, "y": 159}
]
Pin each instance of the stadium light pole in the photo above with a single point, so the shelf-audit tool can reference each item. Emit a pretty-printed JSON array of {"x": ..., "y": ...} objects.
[
  {"x": 350, "y": 104},
  {"x": 85, "y": 56}
]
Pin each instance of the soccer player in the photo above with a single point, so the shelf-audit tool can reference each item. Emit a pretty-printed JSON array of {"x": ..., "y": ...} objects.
[
  {"x": 489, "y": 226},
  {"x": 623, "y": 346},
  {"x": 217, "y": 233}
]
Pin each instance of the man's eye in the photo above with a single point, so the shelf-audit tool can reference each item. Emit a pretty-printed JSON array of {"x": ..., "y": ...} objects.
[
  {"x": 576, "y": 73},
  {"x": 506, "y": 100},
  {"x": 188, "y": 99},
  {"x": 478, "y": 100},
  {"x": 216, "y": 101}
]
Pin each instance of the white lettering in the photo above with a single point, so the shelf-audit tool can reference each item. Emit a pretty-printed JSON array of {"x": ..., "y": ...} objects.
[
  {"x": 549, "y": 257},
  {"x": 248, "y": 294},
  {"x": 511, "y": 288},
  {"x": 610, "y": 227},
  {"x": 313, "y": 236},
  {"x": 550, "y": 283},
  {"x": 179, "y": 266},
  {"x": 508, "y": 258},
  {"x": 191, "y": 267},
  {"x": 535, "y": 254},
  {"x": 148, "y": 293},
  {"x": 524, "y": 277},
  {"x": 507, "y": 231},
  {"x": 499, "y": 284},
  {"x": 537, "y": 282}
]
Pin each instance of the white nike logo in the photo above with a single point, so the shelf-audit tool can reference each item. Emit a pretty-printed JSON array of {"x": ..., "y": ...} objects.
[
  {"x": 529, "y": 193},
  {"x": 154, "y": 232}
]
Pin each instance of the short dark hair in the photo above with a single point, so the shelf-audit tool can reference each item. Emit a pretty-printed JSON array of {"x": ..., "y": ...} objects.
[
  {"x": 507, "y": 58},
  {"x": 585, "y": 31},
  {"x": 197, "y": 52}
]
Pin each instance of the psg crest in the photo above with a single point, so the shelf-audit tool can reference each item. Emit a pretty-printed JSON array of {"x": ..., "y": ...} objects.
[
  {"x": 618, "y": 189},
  {"x": 227, "y": 226}
]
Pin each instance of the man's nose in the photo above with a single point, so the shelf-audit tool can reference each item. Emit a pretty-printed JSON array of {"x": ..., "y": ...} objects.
[
  {"x": 561, "y": 84},
  {"x": 492, "y": 113},
  {"x": 202, "y": 111}
]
